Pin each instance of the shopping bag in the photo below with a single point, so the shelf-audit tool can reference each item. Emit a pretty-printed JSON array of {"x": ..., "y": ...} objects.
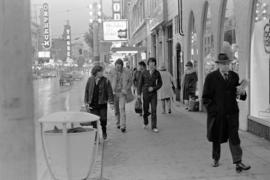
[
  {"x": 138, "y": 106},
  {"x": 193, "y": 104}
]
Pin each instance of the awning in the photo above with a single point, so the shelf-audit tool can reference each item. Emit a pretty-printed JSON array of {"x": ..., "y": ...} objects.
[{"x": 128, "y": 50}]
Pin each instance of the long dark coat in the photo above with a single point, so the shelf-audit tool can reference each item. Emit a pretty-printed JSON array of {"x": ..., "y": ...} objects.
[
  {"x": 219, "y": 97},
  {"x": 190, "y": 81}
]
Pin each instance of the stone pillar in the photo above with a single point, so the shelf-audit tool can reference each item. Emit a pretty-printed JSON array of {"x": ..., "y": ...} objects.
[{"x": 17, "y": 127}]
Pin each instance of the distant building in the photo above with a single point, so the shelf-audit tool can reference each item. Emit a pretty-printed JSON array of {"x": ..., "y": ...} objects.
[{"x": 59, "y": 49}]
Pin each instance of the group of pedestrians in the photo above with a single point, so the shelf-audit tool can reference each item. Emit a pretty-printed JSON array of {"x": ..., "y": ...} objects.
[{"x": 220, "y": 93}]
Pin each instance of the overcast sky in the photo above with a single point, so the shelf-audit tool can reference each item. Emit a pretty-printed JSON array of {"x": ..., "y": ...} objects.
[{"x": 76, "y": 11}]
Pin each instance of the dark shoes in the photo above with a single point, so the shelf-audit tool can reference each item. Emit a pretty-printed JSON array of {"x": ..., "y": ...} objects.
[
  {"x": 123, "y": 130},
  {"x": 215, "y": 163},
  {"x": 118, "y": 126},
  {"x": 241, "y": 167}
]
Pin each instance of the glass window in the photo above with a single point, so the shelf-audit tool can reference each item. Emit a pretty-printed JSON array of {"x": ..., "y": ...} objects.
[
  {"x": 209, "y": 56},
  {"x": 229, "y": 45},
  {"x": 259, "y": 67}
]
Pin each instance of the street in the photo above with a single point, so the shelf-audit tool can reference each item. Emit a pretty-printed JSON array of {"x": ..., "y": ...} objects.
[
  {"x": 179, "y": 151},
  {"x": 50, "y": 97}
]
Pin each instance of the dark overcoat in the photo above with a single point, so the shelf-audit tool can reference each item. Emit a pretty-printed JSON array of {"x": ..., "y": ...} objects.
[{"x": 219, "y": 97}]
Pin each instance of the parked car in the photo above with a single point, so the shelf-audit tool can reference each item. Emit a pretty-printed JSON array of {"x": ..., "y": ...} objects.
[
  {"x": 65, "y": 79},
  {"x": 77, "y": 75}
]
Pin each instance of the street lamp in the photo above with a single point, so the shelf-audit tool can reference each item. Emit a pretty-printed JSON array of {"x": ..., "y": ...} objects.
[{"x": 95, "y": 13}]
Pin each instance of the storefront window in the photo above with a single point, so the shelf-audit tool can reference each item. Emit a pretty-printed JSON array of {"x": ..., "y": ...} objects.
[
  {"x": 194, "y": 55},
  {"x": 229, "y": 45},
  {"x": 194, "y": 44},
  {"x": 209, "y": 56},
  {"x": 260, "y": 56}
]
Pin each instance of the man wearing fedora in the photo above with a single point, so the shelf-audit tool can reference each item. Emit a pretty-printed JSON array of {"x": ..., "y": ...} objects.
[{"x": 220, "y": 91}]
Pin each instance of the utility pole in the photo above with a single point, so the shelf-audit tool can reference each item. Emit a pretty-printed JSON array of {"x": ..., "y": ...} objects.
[
  {"x": 17, "y": 128},
  {"x": 95, "y": 13}
]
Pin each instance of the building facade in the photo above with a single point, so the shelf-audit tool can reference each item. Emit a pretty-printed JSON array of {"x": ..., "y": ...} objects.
[
  {"x": 155, "y": 25},
  {"x": 216, "y": 26}
]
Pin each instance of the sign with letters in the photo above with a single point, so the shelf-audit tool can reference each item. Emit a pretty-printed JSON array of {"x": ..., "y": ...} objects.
[
  {"x": 46, "y": 28},
  {"x": 115, "y": 30},
  {"x": 116, "y": 6}
]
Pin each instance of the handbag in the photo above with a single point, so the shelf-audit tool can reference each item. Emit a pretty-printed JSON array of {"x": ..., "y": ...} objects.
[
  {"x": 138, "y": 106},
  {"x": 193, "y": 104}
]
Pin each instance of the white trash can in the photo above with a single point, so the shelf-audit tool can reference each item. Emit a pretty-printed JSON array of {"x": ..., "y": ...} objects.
[{"x": 69, "y": 153}]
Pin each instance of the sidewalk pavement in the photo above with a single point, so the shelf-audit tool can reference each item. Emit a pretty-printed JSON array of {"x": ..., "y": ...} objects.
[{"x": 180, "y": 151}]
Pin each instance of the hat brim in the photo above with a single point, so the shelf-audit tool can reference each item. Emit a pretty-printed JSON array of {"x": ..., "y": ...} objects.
[{"x": 224, "y": 61}]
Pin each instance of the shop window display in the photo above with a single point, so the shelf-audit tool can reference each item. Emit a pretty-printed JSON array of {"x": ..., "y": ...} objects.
[
  {"x": 260, "y": 59},
  {"x": 229, "y": 45},
  {"x": 194, "y": 47},
  {"x": 209, "y": 55}
]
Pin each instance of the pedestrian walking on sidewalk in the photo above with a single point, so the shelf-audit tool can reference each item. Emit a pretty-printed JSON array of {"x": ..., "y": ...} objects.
[
  {"x": 166, "y": 91},
  {"x": 189, "y": 83},
  {"x": 150, "y": 83},
  {"x": 137, "y": 76},
  {"x": 98, "y": 92},
  {"x": 220, "y": 91},
  {"x": 121, "y": 84}
]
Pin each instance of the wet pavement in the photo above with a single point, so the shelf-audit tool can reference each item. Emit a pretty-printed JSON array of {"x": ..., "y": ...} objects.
[
  {"x": 179, "y": 151},
  {"x": 50, "y": 97}
]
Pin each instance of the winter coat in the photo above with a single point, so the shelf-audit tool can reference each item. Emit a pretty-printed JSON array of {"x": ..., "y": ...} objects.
[
  {"x": 147, "y": 80},
  {"x": 189, "y": 85},
  {"x": 105, "y": 91},
  {"x": 219, "y": 97},
  {"x": 126, "y": 80},
  {"x": 136, "y": 78},
  {"x": 166, "y": 90}
]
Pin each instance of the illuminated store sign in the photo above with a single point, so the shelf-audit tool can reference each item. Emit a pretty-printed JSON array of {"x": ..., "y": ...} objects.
[
  {"x": 116, "y": 6},
  {"x": 68, "y": 43},
  {"x": 46, "y": 28},
  {"x": 115, "y": 30}
]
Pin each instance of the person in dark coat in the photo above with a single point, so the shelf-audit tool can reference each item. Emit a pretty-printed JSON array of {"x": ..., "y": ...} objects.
[
  {"x": 150, "y": 82},
  {"x": 220, "y": 91},
  {"x": 137, "y": 74},
  {"x": 98, "y": 93},
  {"x": 189, "y": 83}
]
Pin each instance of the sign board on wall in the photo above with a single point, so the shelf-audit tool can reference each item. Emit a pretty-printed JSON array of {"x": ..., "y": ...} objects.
[
  {"x": 116, "y": 7},
  {"x": 115, "y": 30},
  {"x": 46, "y": 29}
]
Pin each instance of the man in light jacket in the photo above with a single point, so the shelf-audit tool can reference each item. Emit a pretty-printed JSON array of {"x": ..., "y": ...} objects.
[{"x": 121, "y": 84}]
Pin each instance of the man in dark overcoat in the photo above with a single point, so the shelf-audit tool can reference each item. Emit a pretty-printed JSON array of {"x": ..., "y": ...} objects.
[{"x": 220, "y": 91}]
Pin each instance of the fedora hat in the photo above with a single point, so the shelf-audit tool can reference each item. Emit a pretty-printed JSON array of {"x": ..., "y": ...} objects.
[
  {"x": 189, "y": 64},
  {"x": 223, "y": 59}
]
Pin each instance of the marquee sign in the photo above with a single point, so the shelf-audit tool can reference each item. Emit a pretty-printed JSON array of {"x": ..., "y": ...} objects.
[
  {"x": 68, "y": 43},
  {"x": 115, "y": 30},
  {"x": 46, "y": 30},
  {"x": 116, "y": 6}
]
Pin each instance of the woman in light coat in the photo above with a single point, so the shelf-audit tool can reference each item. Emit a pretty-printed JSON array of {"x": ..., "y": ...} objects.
[{"x": 166, "y": 91}]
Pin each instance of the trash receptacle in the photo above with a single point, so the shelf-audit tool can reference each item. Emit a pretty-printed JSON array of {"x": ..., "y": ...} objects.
[{"x": 69, "y": 152}]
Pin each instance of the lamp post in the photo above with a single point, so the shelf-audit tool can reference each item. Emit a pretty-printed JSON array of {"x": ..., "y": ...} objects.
[{"x": 95, "y": 19}]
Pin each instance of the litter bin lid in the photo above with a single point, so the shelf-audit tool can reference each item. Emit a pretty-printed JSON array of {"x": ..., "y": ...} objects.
[{"x": 68, "y": 117}]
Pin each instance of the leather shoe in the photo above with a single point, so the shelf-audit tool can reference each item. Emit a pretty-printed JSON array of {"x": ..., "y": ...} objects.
[
  {"x": 215, "y": 163},
  {"x": 123, "y": 130},
  {"x": 241, "y": 167}
]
